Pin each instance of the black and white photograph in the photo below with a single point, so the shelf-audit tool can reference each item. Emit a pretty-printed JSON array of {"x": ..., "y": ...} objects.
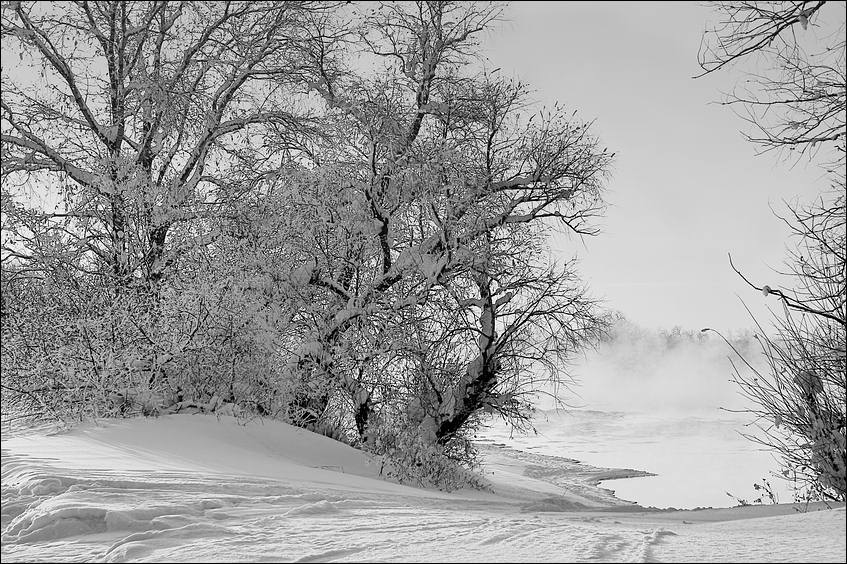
[{"x": 423, "y": 281}]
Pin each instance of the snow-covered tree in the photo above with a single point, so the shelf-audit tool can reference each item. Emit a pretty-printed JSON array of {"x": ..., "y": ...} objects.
[
  {"x": 128, "y": 128},
  {"x": 422, "y": 224},
  {"x": 126, "y": 116}
]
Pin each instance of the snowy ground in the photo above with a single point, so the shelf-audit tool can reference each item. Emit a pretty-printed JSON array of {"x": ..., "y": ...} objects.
[{"x": 194, "y": 487}]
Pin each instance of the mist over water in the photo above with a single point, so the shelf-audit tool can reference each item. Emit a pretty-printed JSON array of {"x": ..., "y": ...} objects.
[
  {"x": 662, "y": 402},
  {"x": 649, "y": 374}
]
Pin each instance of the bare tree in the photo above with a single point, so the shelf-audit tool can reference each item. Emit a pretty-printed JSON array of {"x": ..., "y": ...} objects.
[
  {"x": 799, "y": 402},
  {"x": 797, "y": 106}
]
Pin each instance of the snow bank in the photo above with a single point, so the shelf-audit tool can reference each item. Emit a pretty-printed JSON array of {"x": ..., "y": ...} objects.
[
  {"x": 816, "y": 536},
  {"x": 195, "y": 488}
]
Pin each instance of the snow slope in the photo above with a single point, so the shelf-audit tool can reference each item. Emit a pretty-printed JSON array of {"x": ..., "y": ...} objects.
[{"x": 199, "y": 488}]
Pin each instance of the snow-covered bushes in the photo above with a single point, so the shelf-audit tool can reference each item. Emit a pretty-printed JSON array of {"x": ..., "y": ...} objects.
[
  {"x": 410, "y": 459},
  {"x": 72, "y": 351},
  {"x": 76, "y": 346}
]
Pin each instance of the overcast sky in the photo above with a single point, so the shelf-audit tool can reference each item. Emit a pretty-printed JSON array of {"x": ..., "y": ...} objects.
[{"x": 686, "y": 187}]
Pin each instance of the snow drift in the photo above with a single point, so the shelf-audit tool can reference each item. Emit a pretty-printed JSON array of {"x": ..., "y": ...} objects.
[{"x": 198, "y": 488}]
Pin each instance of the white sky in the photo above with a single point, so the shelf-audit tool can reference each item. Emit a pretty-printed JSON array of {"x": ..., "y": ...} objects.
[{"x": 686, "y": 187}]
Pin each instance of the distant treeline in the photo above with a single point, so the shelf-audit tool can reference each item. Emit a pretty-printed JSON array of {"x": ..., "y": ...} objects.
[{"x": 622, "y": 330}]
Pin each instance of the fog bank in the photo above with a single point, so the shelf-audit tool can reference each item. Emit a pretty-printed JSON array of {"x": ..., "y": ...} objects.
[{"x": 644, "y": 370}]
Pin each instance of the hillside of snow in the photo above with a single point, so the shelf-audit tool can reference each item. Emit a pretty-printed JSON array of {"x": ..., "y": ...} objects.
[{"x": 202, "y": 488}]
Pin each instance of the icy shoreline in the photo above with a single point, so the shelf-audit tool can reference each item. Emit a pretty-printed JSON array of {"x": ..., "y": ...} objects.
[{"x": 572, "y": 476}]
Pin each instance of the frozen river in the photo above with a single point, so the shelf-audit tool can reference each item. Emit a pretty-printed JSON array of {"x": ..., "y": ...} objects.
[{"x": 697, "y": 459}]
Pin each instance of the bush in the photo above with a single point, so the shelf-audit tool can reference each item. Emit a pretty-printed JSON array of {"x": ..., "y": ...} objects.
[
  {"x": 73, "y": 350},
  {"x": 410, "y": 460}
]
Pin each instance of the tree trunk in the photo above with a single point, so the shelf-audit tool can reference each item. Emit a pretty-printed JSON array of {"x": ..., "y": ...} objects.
[{"x": 476, "y": 385}]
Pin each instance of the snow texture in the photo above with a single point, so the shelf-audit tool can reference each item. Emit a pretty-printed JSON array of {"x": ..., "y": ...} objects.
[{"x": 199, "y": 488}]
